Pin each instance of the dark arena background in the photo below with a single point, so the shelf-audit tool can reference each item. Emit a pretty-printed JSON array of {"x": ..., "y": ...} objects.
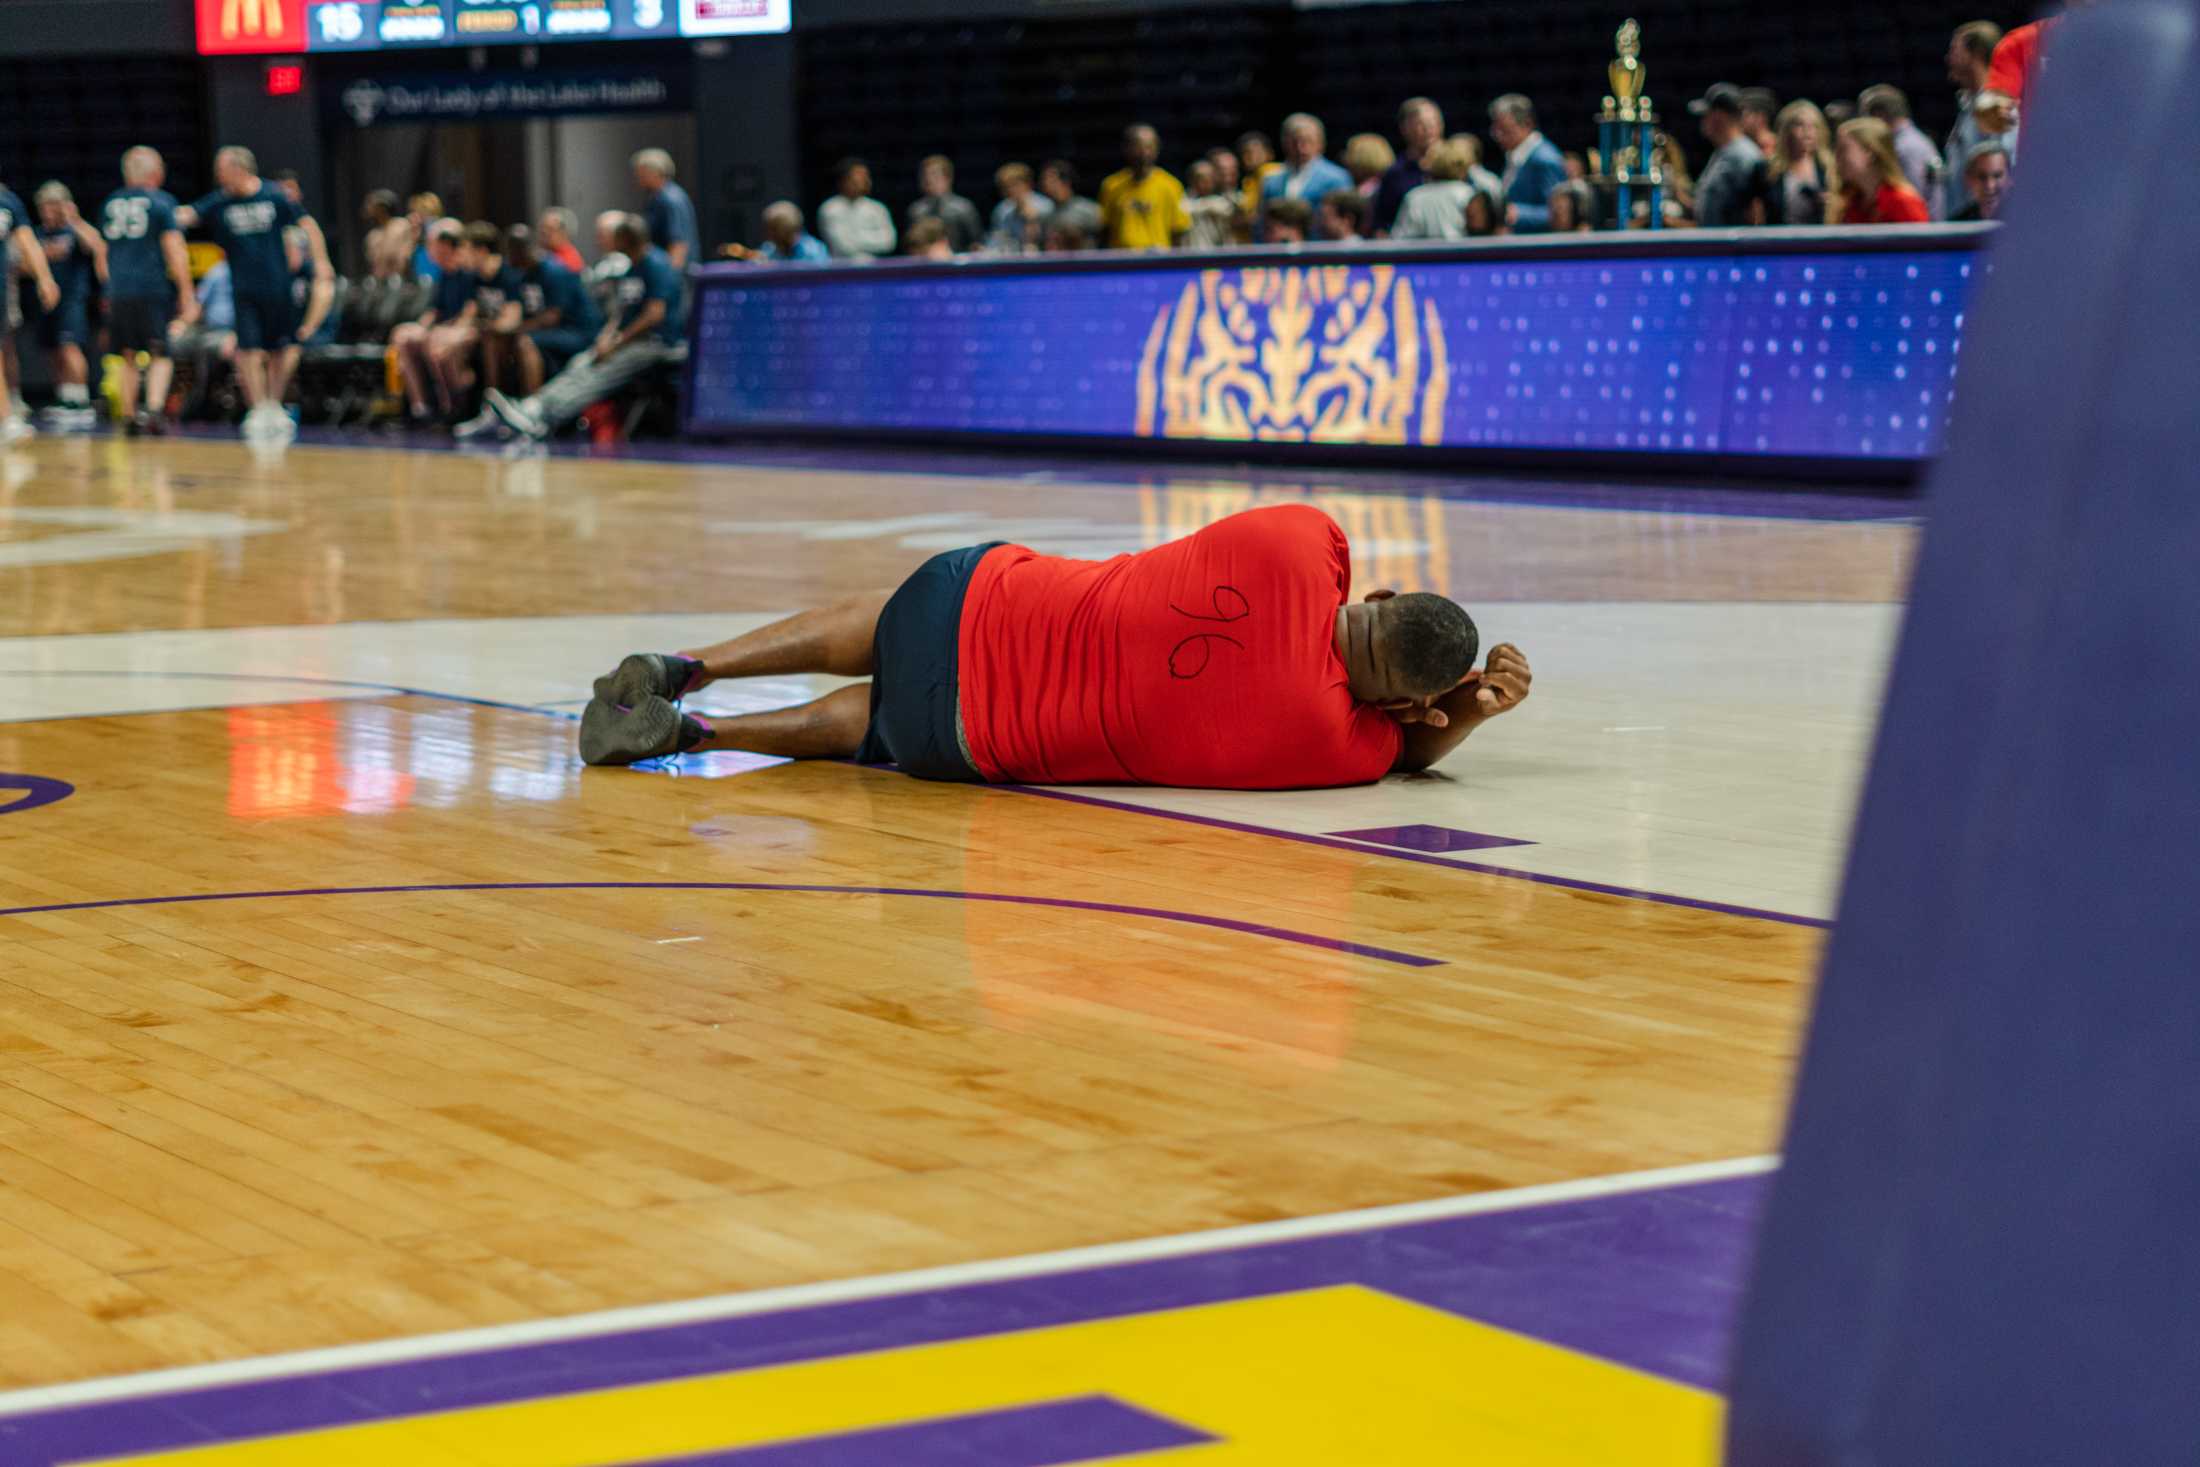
[{"x": 989, "y": 733}]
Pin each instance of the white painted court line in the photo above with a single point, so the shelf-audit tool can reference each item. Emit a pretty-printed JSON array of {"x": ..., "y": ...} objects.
[{"x": 843, "y": 1291}]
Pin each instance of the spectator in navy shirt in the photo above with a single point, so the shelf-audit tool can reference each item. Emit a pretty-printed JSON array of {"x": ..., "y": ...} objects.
[
  {"x": 1420, "y": 128},
  {"x": 556, "y": 322},
  {"x": 645, "y": 335},
  {"x": 77, "y": 256},
  {"x": 670, "y": 213},
  {"x": 18, "y": 238},
  {"x": 498, "y": 307},
  {"x": 431, "y": 350},
  {"x": 247, "y": 216},
  {"x": 1533, "y": 164},
  {"x": 148, "y": 283}
]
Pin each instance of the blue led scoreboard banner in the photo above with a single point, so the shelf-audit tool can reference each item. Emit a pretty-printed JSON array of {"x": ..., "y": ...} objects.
[
  {"x": 312, "y": 26},
  {"x": 1817, "y": 345}
]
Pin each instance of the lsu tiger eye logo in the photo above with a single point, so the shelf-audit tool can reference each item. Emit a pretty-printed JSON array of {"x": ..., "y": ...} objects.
[{"x": 1297, "y": 354}]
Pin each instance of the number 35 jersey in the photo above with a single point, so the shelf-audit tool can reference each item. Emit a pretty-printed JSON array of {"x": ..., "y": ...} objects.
[
  {"x": 1207, "y": 662},
  {"x": 135, "y": 220}
]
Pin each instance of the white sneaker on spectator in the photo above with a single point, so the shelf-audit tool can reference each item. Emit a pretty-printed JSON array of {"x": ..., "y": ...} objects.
[
  {"x": 480, "y": 425},
  {"x": 14, "y": 429},
  {"x": 518, "y": 416},
  {"x": 259, "y": 421},
  {"x": 281, "y": 426}
]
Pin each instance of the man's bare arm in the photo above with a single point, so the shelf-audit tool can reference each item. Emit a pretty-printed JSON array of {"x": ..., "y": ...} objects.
[{"x": 1433, "y": 732}]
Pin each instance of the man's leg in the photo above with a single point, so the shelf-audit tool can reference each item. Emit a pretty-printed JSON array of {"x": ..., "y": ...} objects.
[
  {"x": 588, "y": 380},
  {"x": 282, "y": 366},
  {"x": 530, "y": 366},
  {"x": 252, "y": 372},
  {"x": 157, "y": 380},
  {"x": 835, "y": 639},
  {"x": 126, "y": 385},
  {"x": 831, "y": 727},
  {"x": 410, "y": 342}
]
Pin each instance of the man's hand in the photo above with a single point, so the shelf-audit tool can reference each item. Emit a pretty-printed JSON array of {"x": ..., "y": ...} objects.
[
  {"x": 1502, "y": 684},
  {"x": 49, "y": 291},
  {"x": 187, "y": 313},
  {"x": 607, "y": 342}
]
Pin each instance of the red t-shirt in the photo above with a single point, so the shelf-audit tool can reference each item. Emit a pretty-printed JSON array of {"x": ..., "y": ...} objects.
[
  {"x": 1893, "y": 204},
  {"x": 1209, "y": 662},
  {"x": 2017, "y": 60},
  {"x": 570, "y": 258}
]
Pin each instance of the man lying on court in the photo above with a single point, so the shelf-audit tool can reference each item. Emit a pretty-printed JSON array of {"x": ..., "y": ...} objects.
[{"x": 1232, "y": 659}]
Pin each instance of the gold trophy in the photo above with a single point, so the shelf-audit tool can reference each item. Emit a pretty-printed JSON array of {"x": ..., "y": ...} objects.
[{"x": 1626, "y": 135}]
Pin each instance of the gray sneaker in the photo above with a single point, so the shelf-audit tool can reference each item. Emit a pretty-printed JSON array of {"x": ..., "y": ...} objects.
[
  {"x": 651, "y": 729},
  {"x": 645, "y": 674}
]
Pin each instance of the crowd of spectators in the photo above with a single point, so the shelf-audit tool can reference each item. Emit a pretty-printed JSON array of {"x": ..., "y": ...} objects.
[{"x": 1851, "y": 162}]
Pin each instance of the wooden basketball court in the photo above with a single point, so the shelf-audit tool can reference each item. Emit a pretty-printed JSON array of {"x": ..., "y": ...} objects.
[{"x": 340, "y": 1006}]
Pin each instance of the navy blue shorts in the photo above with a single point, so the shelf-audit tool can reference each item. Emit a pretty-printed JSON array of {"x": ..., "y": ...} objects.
[
  {"x": 559, "y": 345},
  {"x": 266, "y": 322},
  {"x": 913, "y": 689},
  {"x": 67, "y": 324}
]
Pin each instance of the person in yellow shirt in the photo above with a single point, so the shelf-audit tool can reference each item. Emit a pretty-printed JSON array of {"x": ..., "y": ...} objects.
[
  {"x": 1142, "y": 204},
  {"x": 1256, "y": 160}
]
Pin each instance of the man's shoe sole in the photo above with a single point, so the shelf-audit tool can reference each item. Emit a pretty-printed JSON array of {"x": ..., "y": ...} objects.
[
  {"x": 638, "y": 676},
  {"x": 614, "y": 735}
]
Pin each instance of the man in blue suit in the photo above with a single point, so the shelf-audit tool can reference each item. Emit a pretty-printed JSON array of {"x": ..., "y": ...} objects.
[
  {"x": 1305, "y": 175},
  {"x": 1533, "y": 164}
]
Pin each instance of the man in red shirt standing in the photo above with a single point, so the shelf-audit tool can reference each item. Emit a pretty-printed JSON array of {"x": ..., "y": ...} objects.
[{"x": 1232, "y": 659}]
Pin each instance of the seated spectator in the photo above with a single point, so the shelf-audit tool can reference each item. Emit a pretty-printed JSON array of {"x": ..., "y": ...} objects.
[
  {"x": 423, "y": 211},
  {"x": 1072, "y": 210},
  {"x": 1367, "y": 157},
  {"x": 1342, "y": 218},
  {"x": 855, "y": 226},
  {"x": 1760, "y": 105},
  {"x": 1986, "y": 180},
  {"x": 1731, "y": 180},
  {"x": 195, "y": 348},
  {"x": 1420, "y": 129},
  {"x": 1577, "y": 167},
  {"x": 1306, "y": 175},
  {"x": 1533, "y": 164},
  {"x": 670, "y": 213},
  {"x": 937, "y": 199},
  {"x": 1437, "y": 209},
  {"x": 554, "y": 237},
  {"x": 1289, "y": 221},
  {"x": 1213, "y": 210},
  {"x": 1020, "y": 218},
  {"x": 1256, "y": 161},
  {"x": 433, "y": 350},
  {"x": 645, "y": 335},
  {"x": 1573, "y": 207},
  {"x": 1142, "y": 204},
  {"x": 786, "y": 239},
  {"x": 1919, "y": 158},
  {"x": 1485, "y": 215},
  {"x": 1874, "y": 188},
  {"x": 1065, "y": 236},
  {"x": 557, "y": 321},
  {"x": 499, "y": 296},
  {"x": 1226, "y": 172},
  {"x": 388, "y": 239},
  {"x": 610, "y": 264},
  {"x": 1477, "y": 175},
  {"x": 1799, "y": 175},
  {"x": 927, "y": 240}
]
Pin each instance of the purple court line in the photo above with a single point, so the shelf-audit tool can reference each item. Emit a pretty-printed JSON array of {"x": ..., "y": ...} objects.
[
  {"x": 1569, "y": 883},
  {"x": 1650, "y": 1279},
  {"x": 1535, "y": 488},
  {"x": 1050, "y": 1434},
  {"x": 1071, "y": 904}
]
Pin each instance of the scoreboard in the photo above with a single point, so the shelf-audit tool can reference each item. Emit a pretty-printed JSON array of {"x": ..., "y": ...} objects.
[{"x": 231, "y": 27}]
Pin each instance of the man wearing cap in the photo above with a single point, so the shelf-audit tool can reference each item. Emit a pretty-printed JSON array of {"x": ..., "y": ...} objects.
[{"x": 1729, "y": 180}]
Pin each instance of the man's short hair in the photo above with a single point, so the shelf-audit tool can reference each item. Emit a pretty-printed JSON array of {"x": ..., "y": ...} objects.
[
  {"x": 1516, "y": 107},
  {"x": 1411, "y": 105},
  {"x": 140, "y": 164},
  {"x": 783, "y": 211},
  {"x": 1294, "y": 212},
  {"x": 631, "y": 233},
  {"x": 1348, "y": 204},
  {"x": 1063, "y": 169},
  {"x": 387, "y": 201},
  {"x": 241, "y": 157},
  {"x": 1009, "y": 174},
  {"x": 429, "y": 204},
  {"x": 1978, "y": 39},
  {"x": 1763, "y": 101},
  {"x": 657, "y": 160},
  {"x": 846, "y": 166},
  {"x": 284, "y": 175},
  {"x": 1448, "y": 161},
  {"x": 518, "y": 240},
  {"x": 449, "y": 229},
  {"x": 1430, "y": 640},
  {"x": 941, "y": 161},
  {"x": 1884, "y": 102},
  {"x": 1303, "y": 122},
  {"x": 54, "y": 191},
  {"x": 1252, "y": 139},
  {"x": 483, "y": 235}
]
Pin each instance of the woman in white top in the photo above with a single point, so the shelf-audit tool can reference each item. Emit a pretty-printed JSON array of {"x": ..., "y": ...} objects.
[
  {"x": 1438, "y": 209},
  {"x": 1799, "y": 177}
]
